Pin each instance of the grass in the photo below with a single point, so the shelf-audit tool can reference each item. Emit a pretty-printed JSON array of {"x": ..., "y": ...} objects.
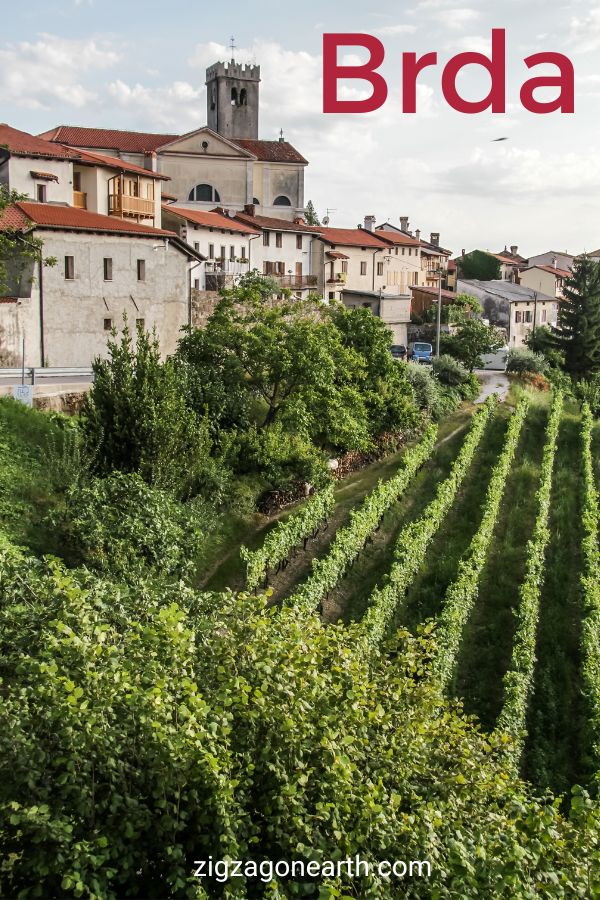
[{"x": 488, "y": 637}]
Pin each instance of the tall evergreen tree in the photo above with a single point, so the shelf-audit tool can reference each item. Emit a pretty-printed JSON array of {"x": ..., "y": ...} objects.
[
  {"x": 578, "y": 329},
  {"x": 310, "y": 214}
]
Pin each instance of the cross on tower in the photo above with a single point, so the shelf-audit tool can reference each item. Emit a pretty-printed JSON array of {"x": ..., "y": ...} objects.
[{"x": 232, "y": 46}]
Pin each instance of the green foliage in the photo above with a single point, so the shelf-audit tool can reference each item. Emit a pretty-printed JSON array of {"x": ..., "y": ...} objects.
[
  {"x": 122, "y": 526},
  {"x": 449, "y": 370},
  {"x": 479, "y": 265},
  {"x": 18, "y": 252},
  {"x": 135, "y": 418},
  {"x": 543, "y": 340},
  {"x": 578, "y": 329},
  {"x": 287, "y": 535},
  {"x": 310, "y": 214},
  {"x": 462, "y": 593},
  {"x": 522, "y": 360},
  {"x": 590, "y": 582},
  {"x": 415, "y": 538},
  {"x": 434, "y": 398},
  {"x": 281, "y": 457},
  {"x": 587, "y": 391},
  {"x": 350, "y": 540},
  {"x": 472, "y": 339},
  {"x": 518, "y": 681}
]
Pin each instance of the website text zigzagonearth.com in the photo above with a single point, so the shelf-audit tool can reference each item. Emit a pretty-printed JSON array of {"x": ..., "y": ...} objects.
[{"x": 224, "y": 870}]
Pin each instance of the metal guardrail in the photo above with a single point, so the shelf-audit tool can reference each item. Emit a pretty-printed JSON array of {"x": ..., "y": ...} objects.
[{"x": 34, "y": 374}]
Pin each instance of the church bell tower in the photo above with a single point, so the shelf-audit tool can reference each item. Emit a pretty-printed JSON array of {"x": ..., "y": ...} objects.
[{"x": 232, "y": 92}]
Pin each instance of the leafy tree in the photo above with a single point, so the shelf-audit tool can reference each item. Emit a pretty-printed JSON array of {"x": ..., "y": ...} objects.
[
  {"x": 479, "y": 265},
  {"x": 135, "y": 418},
  {"x": 578, "y": 329},
  {"x": 522, "y": 359},
  {"x": 462, "y": 308},
  {"x": 310, "y": 214},
  {"x": 18, "y": 252},
  {"x": 472, "y": 339},
  {"x": 544, "y": 342}
]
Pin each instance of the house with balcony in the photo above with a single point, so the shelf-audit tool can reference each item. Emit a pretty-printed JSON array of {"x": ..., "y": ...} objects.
[
  {"x": 433, "y": 258},
  {"x": 284, "y": 250},
  {"x": 226, "y": 244}
]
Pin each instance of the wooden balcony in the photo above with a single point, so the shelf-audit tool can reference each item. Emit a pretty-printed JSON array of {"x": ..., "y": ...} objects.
[
  {"x": 79, "y": 199},
  {"x": 296, "y": 282},
  {"x": 126, "y": 205}
]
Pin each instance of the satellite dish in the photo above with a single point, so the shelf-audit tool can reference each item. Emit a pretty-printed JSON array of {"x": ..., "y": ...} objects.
[{"x": 326, "y": 220}]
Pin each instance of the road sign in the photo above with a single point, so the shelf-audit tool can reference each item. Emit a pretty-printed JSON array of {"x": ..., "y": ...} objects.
[{"x": 23, "y": 393}]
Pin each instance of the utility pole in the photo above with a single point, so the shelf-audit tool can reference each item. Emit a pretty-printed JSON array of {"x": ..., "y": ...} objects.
[{"x": 439, "y": 313}]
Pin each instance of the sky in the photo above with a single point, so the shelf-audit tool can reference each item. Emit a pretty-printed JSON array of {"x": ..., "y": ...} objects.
[{"x": 141, "y": 65}]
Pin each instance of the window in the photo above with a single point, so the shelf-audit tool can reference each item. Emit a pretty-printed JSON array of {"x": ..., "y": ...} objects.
[
  {"x": 243, "y": 97},
  {"x": 366, "y": 306},
  {"x": 108, "y": 324},
  {"x": 204, "y": 193},
  {"x": 211, "y": 251},
  {"x": 282, "y": 200},
  {"x": 396, "y": 251},
  {"x": 363, "y": 268},
  {"x": 196, "y": 284},
  {"x": 76, "y": 181},
  {"x": 518, "y": 316},
  {"x": 141, "y": 269},
  {"x": 528, "y": 316},
  {"x": 196, "y": 246},
  {"x": 278, "y": 239},
  {"x": 234, "y": 96},
  {"x": 256, "y": 201},
  {"x": 41, "y": 193},
  {"x": 344, "y": 266},
  {"x": 332, "y": 295},
  {"x": 298, "y": 242},
  {"x": 403, "y": 249},
  {"x": 108, "y": 268},
  {"x": 223, "y": 253},
  {"x": 544, "y": 315},
  {"x": 266, "y": 238},
  {"x": 380, "y": 268},
  {"x": 140, "y": 323},
  {"x": 232, "y": 253},
  {"x": 69, "y": 268}
]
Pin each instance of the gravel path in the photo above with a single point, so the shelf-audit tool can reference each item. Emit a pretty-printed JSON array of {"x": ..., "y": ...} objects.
[{"x": 492, "y": 383}]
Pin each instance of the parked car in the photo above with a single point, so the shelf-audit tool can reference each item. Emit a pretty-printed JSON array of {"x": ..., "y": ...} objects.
[
  {"x": 420, "y": 352},
  {"x": 398, "y": 351}
]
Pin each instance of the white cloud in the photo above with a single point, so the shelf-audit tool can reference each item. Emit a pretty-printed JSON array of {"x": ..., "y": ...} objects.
[
  {"x": 176, "y": 106},
  {"x": 37, "y": 74},
  {"x": 584, "y": 35},
  {"x": 392, "y": 30},
  {"x": 455, "y": 19}
]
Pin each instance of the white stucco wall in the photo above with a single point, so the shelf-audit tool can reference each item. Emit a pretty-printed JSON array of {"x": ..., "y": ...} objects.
[
  {"x": 547, "y": 314},
  {"x": 21, "y": 180},
  {"x": 74, "y": 311}
]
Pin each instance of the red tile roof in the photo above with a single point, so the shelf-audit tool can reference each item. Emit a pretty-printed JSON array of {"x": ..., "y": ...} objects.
[
  {"x": 335, "y": 254},
  {"x": 272, "y": 151},
  {"x": 111, "y": 162},
  {"x": 47, "y": 215},
  {"x": 433, "y": 291},
  {"x": 108, "y": 138},
  {"x": 22, "y": 144},
  {"x": 352, "y": 237},
  {"x": 397, "y": 237},
  {"x": 209, "y": 219},
  {"x": 44, "y": 176},
  {"x": 560, "y": 273},
  {"x": 268, "y": 223}
]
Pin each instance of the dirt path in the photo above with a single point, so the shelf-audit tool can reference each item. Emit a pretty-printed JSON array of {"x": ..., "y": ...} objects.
[{"x": 492, "y": 383}]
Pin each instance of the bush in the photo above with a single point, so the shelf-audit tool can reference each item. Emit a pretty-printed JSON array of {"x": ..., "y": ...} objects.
[
  {"x": 521, "y": 360},
  {"x": 121, "y": 526},
  {"x": 449, "y": 370},
  {"x": 281, "y": 457},
  {"x": 435, "y": 398}
]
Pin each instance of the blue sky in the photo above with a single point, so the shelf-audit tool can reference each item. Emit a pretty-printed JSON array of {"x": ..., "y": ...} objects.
[{"x": 140, "y": 65}]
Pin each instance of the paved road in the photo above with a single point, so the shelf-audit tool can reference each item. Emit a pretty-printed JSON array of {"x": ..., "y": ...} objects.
[
  {"x": 7, "y": 380},
  {"x": 492, "y": 383}
]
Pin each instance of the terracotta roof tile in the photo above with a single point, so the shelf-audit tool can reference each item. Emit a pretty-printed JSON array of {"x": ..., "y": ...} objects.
[
  {"x": 271, "y": 151},
  {"x": 269, "y": 223},
  {"x": 210, "y": 219},
  {"x": 560, "y": 273},
  {"x": 111, "y": 162},
  {"x": 352, "y": 237},
  {"x": 22, "y": 144},
  {"x": 108, "y": 138},
  {"x": 47, "y": 215},
  {"x": 397, "y": 237}
]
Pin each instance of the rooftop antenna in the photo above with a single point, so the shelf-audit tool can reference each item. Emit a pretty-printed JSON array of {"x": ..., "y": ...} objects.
[
  {"x": 232, "y": 46},
  {"x": 327, "y": 217}
]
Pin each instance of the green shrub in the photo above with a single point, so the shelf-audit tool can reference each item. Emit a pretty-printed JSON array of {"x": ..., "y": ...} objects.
[
  {"x": 449, "y": 370},
  {"x": 281, "y": 457},
  {"x": 521, "y": 360},
  {"x": 120, "y": 525}
]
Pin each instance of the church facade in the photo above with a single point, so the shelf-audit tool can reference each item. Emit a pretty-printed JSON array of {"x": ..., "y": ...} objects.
[{"x": 223, "y": 163}]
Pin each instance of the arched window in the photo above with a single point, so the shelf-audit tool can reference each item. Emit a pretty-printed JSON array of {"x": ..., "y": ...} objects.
[
  {"x": 234, "y": 96},
  {"x": 204, "y": 193},
  {"x": 243, "y": 97},
  {"x": 282, "y": 200},
  {"x": 256, "y": 201}
]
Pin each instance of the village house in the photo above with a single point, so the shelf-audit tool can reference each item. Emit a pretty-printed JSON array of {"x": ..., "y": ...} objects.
[
  {"x": 223, "y": 163},
  {"x": 553, "y": 258},
  {"x": 513, "y": 307},
  {"x": 433, "y": 259},
  {"x": 545, "y": 279}
]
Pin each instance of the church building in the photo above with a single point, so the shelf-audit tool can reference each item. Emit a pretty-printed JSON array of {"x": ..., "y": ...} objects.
[{"x": 223, "y": 163}]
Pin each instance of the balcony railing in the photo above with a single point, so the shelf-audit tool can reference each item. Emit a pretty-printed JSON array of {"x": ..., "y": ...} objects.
[
  {"x": 127, "y": 205},
  {"x": 79, "y": 200},
  {"x": 296, "y": 282},
  {"x": 338, "y": 278}
]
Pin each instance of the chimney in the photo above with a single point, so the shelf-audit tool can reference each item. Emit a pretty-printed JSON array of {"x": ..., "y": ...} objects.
[
  {"x": 404, "y": 223},
  {"x": 514, "y": 249},
  {"x": 435, "y": 238},
  {"x": 462, "y": 252},
  {"x": 418, "y": 234},
  {"x": 554, "y": 262},
  {"x": 370, "y": 223},
  {"x": 250, "y": 209}
]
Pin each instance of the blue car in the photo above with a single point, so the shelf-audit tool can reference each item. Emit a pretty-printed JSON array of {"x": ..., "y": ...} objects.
[{"x": 420, "y": 352}]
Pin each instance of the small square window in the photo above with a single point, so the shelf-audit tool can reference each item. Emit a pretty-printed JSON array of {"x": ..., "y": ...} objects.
[
  {"x": 108, "y": 268},
  {"x": 363, "y": 268},
  {"x": 196, "y": 284},
  {"x": 141, "y": 270},
  {"x": 196, "y": 246},
  {"x": 69, "y": 268},
  {"x": 108, "y": 324},
  {"x": 380, "y": 268}
]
